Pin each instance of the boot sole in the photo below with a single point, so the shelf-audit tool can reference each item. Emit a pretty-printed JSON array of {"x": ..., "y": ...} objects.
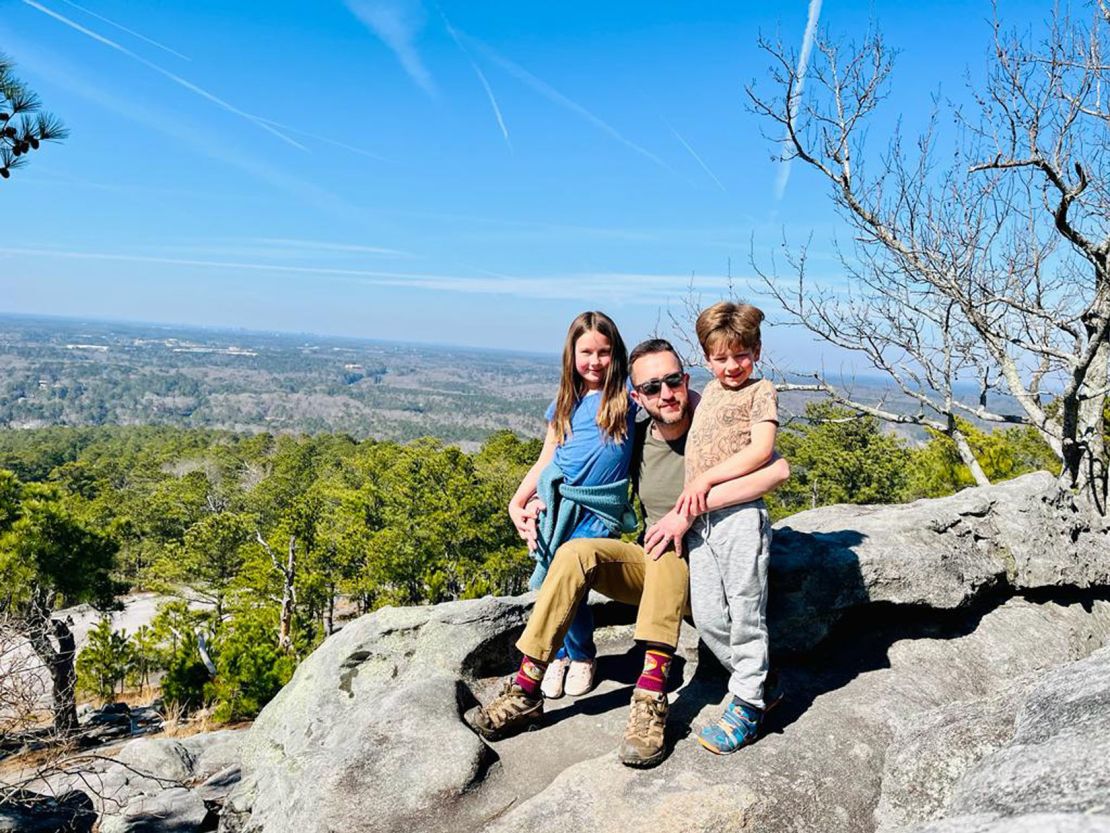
[{"x": 645, "y": 763}]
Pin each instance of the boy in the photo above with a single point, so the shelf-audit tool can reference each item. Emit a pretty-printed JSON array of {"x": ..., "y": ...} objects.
[{"x": 733, "y": 433}]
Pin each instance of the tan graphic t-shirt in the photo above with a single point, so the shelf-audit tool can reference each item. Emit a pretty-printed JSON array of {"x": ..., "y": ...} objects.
[{"x": 723, "y": 422}]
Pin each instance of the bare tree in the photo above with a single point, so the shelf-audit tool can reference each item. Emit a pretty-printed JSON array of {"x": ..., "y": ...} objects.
[
  {"x": 24, "y": 693},
  {"x": 994, "y": 266}
]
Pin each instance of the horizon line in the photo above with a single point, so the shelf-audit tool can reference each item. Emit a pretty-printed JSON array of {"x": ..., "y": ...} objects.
[{"x": 227, "y": 330}]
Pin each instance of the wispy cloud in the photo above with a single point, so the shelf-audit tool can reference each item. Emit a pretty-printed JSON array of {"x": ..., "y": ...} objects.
[
  {"x": 327, "y": 246},
  {"x": 619, "y": 287},
  {"x": 803, "y": 63},
  {"x": 177, "y": 79},
  {"x": 397, "y": 23},
  {"x": 123, "y": 28},
  {"x": 553, "y": 95},
  {"x": 481, "y": 77},
  {"x": 333, "y": 142},
  {"x": 697, "y": 158}
]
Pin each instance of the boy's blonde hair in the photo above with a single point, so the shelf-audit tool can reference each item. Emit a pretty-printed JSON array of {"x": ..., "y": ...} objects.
[{"x": 725, "y": 324}]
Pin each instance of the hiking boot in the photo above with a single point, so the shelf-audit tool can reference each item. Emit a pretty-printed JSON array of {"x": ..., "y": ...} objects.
[
  {"x": 580, "y": 676},
  {"x": 644, "y": 744},
  {"x": 510, "y": 712},
  {"x": 737, "y": 727},
  {"x": 554, "y": 677}
]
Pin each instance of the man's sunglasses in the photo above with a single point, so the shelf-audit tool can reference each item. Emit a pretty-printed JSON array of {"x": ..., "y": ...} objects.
[{"x": 653, "y": 386}]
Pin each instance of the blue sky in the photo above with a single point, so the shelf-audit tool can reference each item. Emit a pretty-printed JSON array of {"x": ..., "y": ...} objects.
[{"x": 471, "y": 173}]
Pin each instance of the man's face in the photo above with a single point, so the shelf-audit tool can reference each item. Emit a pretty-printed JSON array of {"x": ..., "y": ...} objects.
[{"x": 670, "y": 404}]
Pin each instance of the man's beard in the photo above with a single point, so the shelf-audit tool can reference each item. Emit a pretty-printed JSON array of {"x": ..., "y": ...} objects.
[{"x": 671, "y": 418}]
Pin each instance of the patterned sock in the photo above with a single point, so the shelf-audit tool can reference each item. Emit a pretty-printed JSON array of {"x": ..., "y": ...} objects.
[
  {"x": 529, "y": 676},
  {"x": 657, "y": 662}
]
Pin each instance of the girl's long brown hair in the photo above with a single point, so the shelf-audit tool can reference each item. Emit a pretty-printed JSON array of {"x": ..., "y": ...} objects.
[{"x": 612, "y": 413}]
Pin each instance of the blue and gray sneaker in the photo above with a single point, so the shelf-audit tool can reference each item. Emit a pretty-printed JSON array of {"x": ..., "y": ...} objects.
[{"x": 738, "y": 726}]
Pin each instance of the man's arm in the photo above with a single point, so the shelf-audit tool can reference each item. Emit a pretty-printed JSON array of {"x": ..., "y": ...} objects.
[{"x": 673, "y": 525}]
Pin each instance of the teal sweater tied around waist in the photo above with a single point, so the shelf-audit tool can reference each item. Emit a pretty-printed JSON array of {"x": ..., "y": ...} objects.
[{"x": 565, "y": 505}]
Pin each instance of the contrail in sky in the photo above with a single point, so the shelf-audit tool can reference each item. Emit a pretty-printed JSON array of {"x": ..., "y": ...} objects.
[
  {"x": 697, "y": 158},
  {"x": 803, "y": 62},
  {"x": 326, "y": 140},
  {"x": 481, "y": 77},
  {"x": 550, "y": 93},
  {"x": 177, "y": 79},
  {"x": 397, "y": 23},
  {"x": 122, "y": 28}
]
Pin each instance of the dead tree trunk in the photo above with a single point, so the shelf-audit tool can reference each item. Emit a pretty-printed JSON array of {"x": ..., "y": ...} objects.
[
  {"x": 963, "y": 448},
  {"x": 288, "y": 591},
  {"x": 59, "y": 661}
]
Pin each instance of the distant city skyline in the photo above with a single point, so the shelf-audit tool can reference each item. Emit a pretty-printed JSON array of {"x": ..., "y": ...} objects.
[{"x": 461, "y": 174}]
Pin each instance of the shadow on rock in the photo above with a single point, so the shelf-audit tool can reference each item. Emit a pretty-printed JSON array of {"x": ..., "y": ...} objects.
[
  {"x": 859, "y": 643},
  {"x": 31, "y": 812}
]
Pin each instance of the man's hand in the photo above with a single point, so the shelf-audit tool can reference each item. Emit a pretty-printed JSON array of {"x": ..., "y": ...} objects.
[
  {"x": 532, "y": 512},
  {"x": 693, "y": 499},
  {"x": 671, "y": 527}
]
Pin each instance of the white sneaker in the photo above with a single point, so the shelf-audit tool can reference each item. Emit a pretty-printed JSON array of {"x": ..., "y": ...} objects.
[
  {"x": 553, "y": 677},
  {"x": 580, "y": 677}
]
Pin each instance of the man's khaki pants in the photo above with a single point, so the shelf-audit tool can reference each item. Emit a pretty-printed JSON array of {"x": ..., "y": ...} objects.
[{"x": 615, "y": 569}]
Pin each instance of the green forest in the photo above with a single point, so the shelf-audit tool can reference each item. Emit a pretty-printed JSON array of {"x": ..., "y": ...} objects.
[{"x": 282, "y": 537}]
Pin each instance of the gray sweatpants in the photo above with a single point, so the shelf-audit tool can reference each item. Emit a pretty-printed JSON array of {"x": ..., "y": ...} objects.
[{"x": 728, "y": 551}]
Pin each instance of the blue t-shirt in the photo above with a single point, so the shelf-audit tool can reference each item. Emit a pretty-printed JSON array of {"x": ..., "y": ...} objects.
[{"x": 589, "y": 457}]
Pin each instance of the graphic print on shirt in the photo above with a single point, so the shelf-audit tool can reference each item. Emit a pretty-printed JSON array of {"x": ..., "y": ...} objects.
[{"x": 723, "y": 422}]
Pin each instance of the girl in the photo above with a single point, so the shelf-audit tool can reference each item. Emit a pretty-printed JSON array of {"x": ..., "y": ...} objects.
[{"x": 581, "y": 477}]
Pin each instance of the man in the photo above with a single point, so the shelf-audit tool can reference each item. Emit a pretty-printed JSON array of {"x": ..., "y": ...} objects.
[{"x": 655, "y": 575}]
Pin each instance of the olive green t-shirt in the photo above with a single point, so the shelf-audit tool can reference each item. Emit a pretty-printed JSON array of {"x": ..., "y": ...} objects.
[{"x": 659, "y": 471}]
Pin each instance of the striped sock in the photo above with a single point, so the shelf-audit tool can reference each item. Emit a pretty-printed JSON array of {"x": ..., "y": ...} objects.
[
  {"x": 657, "y": 662},
  {"x": 529, "y": 676}
]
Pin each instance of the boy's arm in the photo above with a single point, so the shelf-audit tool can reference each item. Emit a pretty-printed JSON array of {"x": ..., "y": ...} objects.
[
  {"x": 743, "y": 489},
  {"x": 749, "y": 487},
  {"x": 750, "y": 458}
]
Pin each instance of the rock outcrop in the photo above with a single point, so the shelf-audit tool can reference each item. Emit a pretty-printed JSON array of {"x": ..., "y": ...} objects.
[
  {"x": 943, "y": 660},
  {"x": 946, "y": 665},
  {"x": 167, "y": 785},
  {"x": 941, "y": 554}
]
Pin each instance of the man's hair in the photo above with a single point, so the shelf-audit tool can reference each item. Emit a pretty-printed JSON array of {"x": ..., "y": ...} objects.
[
  {"x": 725, "y": 324},
  {"x": 653, "y": 345}
]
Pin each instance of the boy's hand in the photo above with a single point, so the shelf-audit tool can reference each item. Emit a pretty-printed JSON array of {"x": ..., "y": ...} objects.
[
  {"x": 671, "y": 527},
  {"x": 693, "y": 499}
]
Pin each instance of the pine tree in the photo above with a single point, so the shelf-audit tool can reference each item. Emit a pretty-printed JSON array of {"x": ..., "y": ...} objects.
[
  {"x": 23, "y": 126},
  {"x": 104, "y": 660}
]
